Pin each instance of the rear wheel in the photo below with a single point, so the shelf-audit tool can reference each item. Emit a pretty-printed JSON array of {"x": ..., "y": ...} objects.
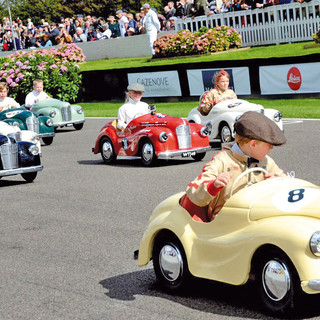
[
  {"x": 78, "y": 126},
  {"x": 148, "y": 156},
  {"x": 107, "y": 151},
  {"x": 170, "y": 263},
  {"x": 47, "y": 140},
  {"x": 225, "y": 133},
  {"x": 199, "y": 156},
  {"x": 29, "y": 177}
]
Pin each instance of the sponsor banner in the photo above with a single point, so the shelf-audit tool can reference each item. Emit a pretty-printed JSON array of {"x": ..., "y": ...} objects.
[
  {"x": 201, "y": 80},
  {"x": 288, "y": 79},
  {"x": 158, "y": 84}
]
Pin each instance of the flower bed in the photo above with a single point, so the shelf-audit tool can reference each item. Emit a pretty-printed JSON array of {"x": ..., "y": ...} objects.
[
  {"x": 57, "y": 67},
  {"x": 205, "y": 40}
]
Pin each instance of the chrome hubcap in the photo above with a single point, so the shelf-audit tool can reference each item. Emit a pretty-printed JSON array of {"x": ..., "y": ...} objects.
[
  {"x": 275, "y": 280},
  {"x": 147, "y": 152},
  {"x": 107, "y": 150},
  {"x": 226, "y": 134},
  {"x": 171, "y": 263}
]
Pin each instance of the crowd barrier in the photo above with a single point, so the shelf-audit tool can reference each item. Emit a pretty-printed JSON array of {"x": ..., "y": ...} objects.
[{"x": 283, "y": 23}]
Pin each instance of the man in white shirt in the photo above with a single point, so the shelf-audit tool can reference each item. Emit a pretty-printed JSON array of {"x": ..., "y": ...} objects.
[
  {"x": 123, "y": 22},
  {"x": 151, "y": 24}
]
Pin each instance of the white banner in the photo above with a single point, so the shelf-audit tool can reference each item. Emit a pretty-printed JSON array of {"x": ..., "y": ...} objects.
[
  {"x": 288, "y": 79},
  {"x": 201, "y": 80},
  {"x": 158, "y": 84}
]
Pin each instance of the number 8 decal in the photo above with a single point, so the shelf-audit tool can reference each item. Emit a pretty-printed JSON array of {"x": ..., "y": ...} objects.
[{"x": 296, "y": 195}]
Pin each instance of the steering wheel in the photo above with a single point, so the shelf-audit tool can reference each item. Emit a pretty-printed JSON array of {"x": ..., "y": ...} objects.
[{"x": 244, "y": 173}]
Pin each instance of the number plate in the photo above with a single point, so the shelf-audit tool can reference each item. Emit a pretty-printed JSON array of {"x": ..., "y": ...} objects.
[{"x": 188, "y": 154}]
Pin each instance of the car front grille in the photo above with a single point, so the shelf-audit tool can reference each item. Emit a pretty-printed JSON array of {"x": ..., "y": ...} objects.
[
  {"x": 33, "y": 123},
  {"x": 9, "y": 155},
  {"x": 183, "y": 136},
  {"x": 66, "y": 113}
]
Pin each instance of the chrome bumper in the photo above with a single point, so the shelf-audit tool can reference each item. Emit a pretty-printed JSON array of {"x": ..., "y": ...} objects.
[
  {"x": 182, "y": 153},
  {"x": 11, "y": 172},
  {"x": 67, "y": 123},
  {"x": 44, "y": 135}
]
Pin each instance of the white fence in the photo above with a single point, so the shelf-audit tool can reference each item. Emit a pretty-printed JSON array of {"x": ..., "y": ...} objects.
[{"x": 277, "y": 24}]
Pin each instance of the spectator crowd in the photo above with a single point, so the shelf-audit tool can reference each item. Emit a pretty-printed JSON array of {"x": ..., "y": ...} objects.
[{"x": 24, "y": 35}]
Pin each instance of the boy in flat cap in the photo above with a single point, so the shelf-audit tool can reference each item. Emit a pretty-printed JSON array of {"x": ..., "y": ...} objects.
[
  {"x": 133, "y": 107},
  {"x": 255, "y": 137}
]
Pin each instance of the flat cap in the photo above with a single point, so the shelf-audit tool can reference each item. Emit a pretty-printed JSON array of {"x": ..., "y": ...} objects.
[
  {"x": 145, "y": 6},
  {"x": 256, "y": 126},
  {"x": 119, "y": 11},
  {"x": 136, "y": 87}
]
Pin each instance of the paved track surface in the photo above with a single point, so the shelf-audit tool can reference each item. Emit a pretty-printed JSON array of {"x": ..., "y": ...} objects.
[{"x": 67, "y": 239}]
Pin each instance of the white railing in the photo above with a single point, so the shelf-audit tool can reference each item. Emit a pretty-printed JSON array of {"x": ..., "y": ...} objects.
[{"x": 283, "y": 23}]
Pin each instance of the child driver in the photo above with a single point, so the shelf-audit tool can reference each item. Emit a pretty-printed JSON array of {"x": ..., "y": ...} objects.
[{"x": 255, "y": 137}]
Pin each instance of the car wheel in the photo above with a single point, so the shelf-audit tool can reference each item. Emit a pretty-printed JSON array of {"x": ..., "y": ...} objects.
[
  {"x": 225, "y": 133},
  {"x": 47, "y": 140},
  {"x": 107, "y": 151},
  {"x": 29, "y": 177},
  {"x": 278, "y": 284},
  {"x": 199, "y": 156},
  {"x": 148, "y": 155},
  {"x": 170, "y": 263},
  {"x": 78, "y": 126}
]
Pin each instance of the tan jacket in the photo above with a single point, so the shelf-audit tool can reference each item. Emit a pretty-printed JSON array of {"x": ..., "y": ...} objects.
[
  {"x": 213, "y": 97},
  {"x": 202, "y": 192}
]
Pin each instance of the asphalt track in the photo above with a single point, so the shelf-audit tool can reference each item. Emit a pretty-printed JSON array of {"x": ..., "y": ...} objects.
[{"x": 67, "y": 239}]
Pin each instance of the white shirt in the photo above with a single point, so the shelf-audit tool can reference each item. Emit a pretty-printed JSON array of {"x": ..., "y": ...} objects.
[
  {"x": 32, "y": 96},
  {"x": 130, "y": 110},
  {"x": 122, "y": 22},
  {"x": 151, "y": 21},
  {"x": 8, "y": 103}
]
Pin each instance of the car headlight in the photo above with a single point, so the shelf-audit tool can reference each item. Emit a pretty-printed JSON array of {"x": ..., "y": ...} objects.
[
  {"x": 163, "y": 136},
  {"x": 80, "y": 110},
  {"x": 49, "y": 123},
  {"x": 277, "y": 116},
  {"x": 208, "y": 127},
  {"x": 204, "y": 132},
  {"x": 35, "y": 138},
  {"x": 52, "y": 114},
  {"x": 34, "y": 150},
  {"x": 16, "y": 124},
  {"x": 315, "y": 244}
]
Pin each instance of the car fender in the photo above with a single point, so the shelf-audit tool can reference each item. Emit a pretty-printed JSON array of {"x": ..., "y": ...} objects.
[
  {"x": 110, "y": 132},
  {"x": 270, "y": 114},
  {"x": 43, "y": 127},
  {"x": 11, "y": 121},
  {"x": 194, "y": 115}
]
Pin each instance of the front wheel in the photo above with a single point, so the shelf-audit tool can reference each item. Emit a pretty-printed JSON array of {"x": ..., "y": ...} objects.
[
  {"x": 225, "y": 133},
  {"x": 199, "y": 156},
  {"x": 78, "y": 126},
  {"x": 29, "y": 177},
  {"x": 47, "y": 140},
  {"x": 148, "y": 156},
  {"x": 170, "y": 263},
  {"x": 278, "y": 284},
  {"x": 107, "y": 151}
]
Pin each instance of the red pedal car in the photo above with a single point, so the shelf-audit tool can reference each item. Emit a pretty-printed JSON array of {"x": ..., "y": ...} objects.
[{"x": 153, "y": 136}]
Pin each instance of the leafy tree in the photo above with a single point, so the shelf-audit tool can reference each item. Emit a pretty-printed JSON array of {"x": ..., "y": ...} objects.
[{"x": 52, "y": 10}]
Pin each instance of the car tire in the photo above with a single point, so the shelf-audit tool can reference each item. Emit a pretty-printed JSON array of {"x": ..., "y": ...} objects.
[
  {"x": 199, "y": 156},
  {"x": 78, "y": 126},
  {"x": 47, "y": 140},
  {"x": 148, "y": 156},
  {"x": 170, "y": 263},
  {"x": 225, "y": 133},
  {"x": 107, "y": 151},
  {"x": 29, "y": 177},
  {"x": 278, "y": 284}
]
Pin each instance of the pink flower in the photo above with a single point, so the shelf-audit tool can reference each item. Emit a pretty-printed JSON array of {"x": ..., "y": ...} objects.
[{"x": 63, "y": 68}]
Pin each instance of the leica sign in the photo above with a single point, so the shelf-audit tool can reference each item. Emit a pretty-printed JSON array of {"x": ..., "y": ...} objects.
[{"x": 294, "y": 79}]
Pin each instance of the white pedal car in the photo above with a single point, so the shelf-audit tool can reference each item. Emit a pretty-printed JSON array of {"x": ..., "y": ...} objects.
[{"x": 223, "y": 115}]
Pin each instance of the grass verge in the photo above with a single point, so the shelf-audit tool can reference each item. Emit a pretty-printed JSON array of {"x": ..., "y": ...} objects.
[{"x": 290, "y": 108}]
